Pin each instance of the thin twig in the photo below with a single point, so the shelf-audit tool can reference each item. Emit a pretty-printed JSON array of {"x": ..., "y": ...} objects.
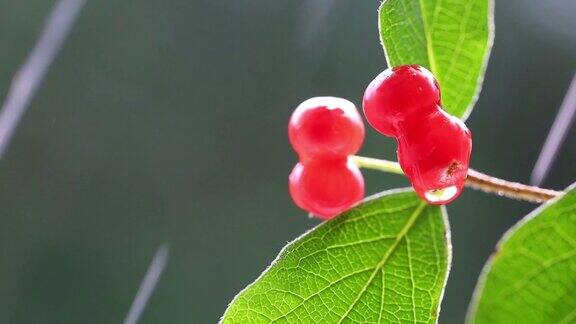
[
  {"x": 514, "y": 190},
  {"x": 30, "y": 76},
  {"x": 148, "y": 285},
  {"x": 475, "y": 180},
  {"x": 556, "y": 136}
]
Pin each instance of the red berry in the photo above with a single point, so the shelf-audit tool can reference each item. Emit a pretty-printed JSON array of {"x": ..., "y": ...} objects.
[
  {"x": 326, "y": 188},
  {"x": 398, "y": 93},
  {"x": 434, "y": 152},
  {"x": 326, "y": 127}
]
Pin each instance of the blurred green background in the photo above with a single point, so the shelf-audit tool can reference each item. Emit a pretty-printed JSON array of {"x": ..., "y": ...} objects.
[{"x": 164, "y": 121}]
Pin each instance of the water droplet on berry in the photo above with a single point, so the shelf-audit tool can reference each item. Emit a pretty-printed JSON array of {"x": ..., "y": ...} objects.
[{"x": 441, "y": 196}]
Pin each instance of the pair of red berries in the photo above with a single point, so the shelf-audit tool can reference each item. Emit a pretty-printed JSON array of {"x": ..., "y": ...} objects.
[
  {"x": 325, "y": 131},
  {"x": 433, "y": 147},
  {"x": 404, "y": 102}
]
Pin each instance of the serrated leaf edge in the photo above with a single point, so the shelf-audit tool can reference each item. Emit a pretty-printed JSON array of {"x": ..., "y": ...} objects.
[{"x": 447, "y": 238}]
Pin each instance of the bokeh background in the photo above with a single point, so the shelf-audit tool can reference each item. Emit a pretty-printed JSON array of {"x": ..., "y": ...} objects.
[{"x": 164, "y": 121}]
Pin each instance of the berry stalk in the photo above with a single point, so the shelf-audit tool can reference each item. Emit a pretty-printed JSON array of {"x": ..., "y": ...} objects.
[{"x": 476, "y": 180}]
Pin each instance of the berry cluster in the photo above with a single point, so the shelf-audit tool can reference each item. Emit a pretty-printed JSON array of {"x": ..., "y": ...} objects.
[
  {"x": 403, "y": 102},
  {"x": 433, "y": 147},
  {"x": 325, "y": 131}
]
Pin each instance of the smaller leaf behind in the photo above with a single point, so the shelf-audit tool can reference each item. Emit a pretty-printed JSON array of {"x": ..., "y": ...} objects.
[
  {"x": 531, "y": 278},
  {"x": 452, "y": 39},
  {"x": 384, "y": 261}
]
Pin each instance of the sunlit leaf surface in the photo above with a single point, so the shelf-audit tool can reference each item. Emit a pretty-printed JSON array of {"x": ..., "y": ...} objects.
[
  {"x": 385, "y": 261},
  {"x": 531, "y": 278}
]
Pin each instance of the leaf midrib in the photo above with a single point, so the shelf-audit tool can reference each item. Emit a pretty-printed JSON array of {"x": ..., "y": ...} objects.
[
  {"x": 401, "y": 235},
  {"x": 428, "y": 38}
]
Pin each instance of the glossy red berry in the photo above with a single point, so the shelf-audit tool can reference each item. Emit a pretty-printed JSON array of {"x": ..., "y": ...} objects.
[
  {"x": 398, "y": 93},
  {"x": 326, "y": 188},
  {"x": 434, "y": 152},
  {"x": 326, "y": 127}
]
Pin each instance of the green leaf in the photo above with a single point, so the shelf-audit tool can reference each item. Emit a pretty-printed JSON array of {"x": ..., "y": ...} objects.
[
  {"x": 531, "y": 278},
  {"x": 451, "y": 38},
  {"x": 384, "y": 261}
]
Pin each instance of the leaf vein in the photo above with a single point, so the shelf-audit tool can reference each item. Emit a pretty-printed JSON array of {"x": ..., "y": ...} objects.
[{"x": 401, "y": 235}]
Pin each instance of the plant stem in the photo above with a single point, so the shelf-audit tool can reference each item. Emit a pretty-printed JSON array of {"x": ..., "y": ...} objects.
[{"x": 475, "y": 180}]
